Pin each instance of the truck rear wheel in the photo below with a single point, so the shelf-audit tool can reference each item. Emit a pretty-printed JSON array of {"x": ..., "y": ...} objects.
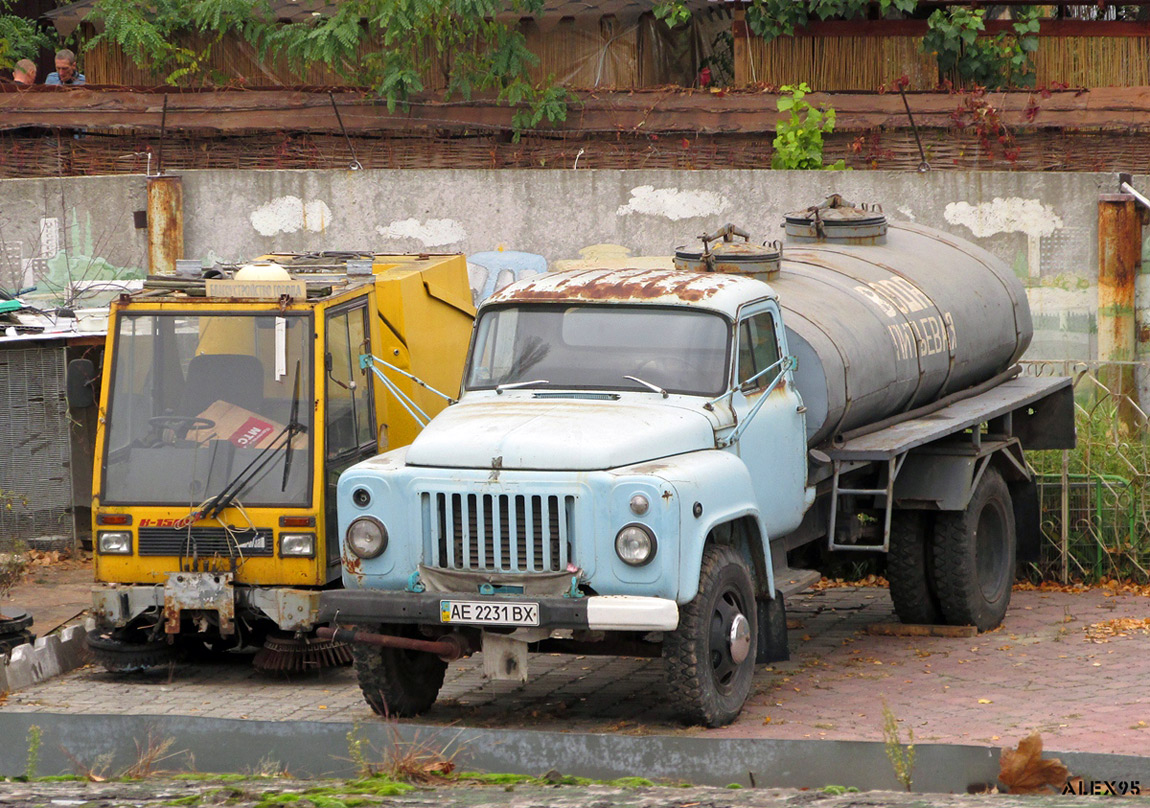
[
  {"x": 908, "y": 568},
  {"x": 974, "y": 554},
  {"x": 397, "y": 682},
  {"x": 710, "y": 658}
]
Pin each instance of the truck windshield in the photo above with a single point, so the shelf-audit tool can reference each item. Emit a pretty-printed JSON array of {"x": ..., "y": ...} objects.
[
  {"x": 596, "y": 346},
  {"x": 194, "y": 400}
]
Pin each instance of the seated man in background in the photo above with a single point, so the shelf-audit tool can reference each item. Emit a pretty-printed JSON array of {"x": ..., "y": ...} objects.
[
  {"x": 66, "y": 72},
  {"x": 24, "y": 72}
]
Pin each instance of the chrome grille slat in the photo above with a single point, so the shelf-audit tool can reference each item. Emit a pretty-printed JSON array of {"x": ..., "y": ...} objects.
[{"x": 499, "y": 532}]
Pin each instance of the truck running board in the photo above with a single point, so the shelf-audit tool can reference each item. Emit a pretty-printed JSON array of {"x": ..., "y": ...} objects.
[{"x": 788, "y": 580}]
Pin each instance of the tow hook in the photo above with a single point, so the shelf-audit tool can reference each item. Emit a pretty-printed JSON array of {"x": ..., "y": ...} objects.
[{"x": 448, "y": 648}]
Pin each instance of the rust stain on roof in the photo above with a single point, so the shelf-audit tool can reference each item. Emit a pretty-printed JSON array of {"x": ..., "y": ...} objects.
[{"x": 633, "y": 284}]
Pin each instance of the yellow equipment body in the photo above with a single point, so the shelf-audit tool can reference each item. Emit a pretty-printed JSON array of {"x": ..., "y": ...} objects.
[{"x": 228, "y": 409}]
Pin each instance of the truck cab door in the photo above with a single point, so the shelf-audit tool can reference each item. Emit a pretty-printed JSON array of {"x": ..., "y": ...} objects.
[
  {"x": 349, "y": 411},
  {"x": 773, "y": 443}
]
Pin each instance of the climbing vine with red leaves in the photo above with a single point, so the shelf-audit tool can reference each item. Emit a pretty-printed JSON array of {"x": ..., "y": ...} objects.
[{"x": 976, "y": 114}]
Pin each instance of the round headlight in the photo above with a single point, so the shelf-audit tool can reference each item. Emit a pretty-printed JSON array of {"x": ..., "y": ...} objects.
[
  {"x": 361, "y": 497},
  {"x": 367, "y": 537},
  {"x": 635, "y": 545},
  {"x": 640, "y": 504}
]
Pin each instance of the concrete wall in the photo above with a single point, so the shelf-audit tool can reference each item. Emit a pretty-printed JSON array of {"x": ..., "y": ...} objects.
[{"x": 513, "y": 223}]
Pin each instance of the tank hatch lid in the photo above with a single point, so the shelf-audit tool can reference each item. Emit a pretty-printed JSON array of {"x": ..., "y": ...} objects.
[
  {"x": 836, "y": 218},
  {"x": 730, "y": 256}
]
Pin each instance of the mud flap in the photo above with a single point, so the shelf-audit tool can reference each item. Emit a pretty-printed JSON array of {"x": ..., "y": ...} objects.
[
  {"x": 1027, "y": 524},
  {"x": 772, "y": 645}
]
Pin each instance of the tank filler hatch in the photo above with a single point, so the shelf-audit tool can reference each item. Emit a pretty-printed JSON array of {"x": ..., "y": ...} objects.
[
  {"x": 721, "y": 253},
  {"x": 836, "y": 219}
]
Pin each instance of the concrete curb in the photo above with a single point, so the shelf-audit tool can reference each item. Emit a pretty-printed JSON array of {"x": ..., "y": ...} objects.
[
  {"x": 49, "y": 656},
  {"x": 319, "y": 749}
]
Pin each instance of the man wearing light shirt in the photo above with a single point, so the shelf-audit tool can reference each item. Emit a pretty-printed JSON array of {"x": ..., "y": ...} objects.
[{"x": 66, "y": 72}]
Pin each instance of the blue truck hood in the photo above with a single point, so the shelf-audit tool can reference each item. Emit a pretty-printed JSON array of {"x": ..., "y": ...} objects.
[{"x": 560, "y": 435}]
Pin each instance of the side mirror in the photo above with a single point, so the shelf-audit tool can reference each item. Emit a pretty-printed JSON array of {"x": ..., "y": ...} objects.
[{"x": 80, "y": 383}]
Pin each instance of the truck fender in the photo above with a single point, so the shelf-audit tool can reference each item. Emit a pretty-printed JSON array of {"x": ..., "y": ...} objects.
[
  {"x": 742, "y": 528},
  {"x": 939, "y": 479},
  {"x": 714, "y": 489}
]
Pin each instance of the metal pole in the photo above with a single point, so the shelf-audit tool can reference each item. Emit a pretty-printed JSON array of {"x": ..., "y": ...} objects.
[
  {"x": 165, "y": 224},
  {"x": 1064, "y": 546},
  {"x": 1119, "y": 261}
]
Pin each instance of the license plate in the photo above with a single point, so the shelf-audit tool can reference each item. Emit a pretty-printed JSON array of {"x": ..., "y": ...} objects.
[{"x": 488, "y": 613}]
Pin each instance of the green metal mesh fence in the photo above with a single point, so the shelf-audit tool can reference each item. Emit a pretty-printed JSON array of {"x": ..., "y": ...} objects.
[{"x": 1095, "y": 498}]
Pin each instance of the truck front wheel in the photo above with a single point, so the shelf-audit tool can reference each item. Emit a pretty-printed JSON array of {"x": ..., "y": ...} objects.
[
  {"x": 396, "y": 682},
  {"x": 710, "y": 658},
  {"x": 973, "y": 556}
]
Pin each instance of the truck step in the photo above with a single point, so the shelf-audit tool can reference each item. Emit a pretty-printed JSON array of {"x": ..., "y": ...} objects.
[{"x": 789, "y": 580}]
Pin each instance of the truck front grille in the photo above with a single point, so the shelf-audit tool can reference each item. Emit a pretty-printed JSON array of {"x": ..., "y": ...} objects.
[
  {"x": 204, "y": 541},
  {"x": 499, "y": 532}
]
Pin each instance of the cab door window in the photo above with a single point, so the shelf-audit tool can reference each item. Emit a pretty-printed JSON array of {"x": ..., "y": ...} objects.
[
  {"x": 758, "y": 349},
  {"x": 350, "y": 412}
]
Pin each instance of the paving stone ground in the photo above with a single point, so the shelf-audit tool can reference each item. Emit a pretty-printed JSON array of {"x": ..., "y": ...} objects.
[{"x": 1037, "y": 672}]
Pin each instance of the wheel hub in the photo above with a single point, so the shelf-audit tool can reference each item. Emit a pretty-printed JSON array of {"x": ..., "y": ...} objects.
[{"x": 739, "y": 639}]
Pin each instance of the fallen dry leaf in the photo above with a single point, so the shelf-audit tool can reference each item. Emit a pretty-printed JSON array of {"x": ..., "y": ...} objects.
[
  {"x": 839, "y": 583},
  {"x": 1118, "y": 627},
  {"x": 1023, "y": 771}
]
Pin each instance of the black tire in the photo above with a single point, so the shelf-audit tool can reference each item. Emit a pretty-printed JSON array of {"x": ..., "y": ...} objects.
[
  {"x": 706, "y": 681},
  {"x": 118, "y": 654},
  {"x": 14, "y": 620},
  {"x": 909, "y": 569},
  {"x": 974, "y": 556},
  {"x": 397, "y": 683},
  {"x": 8, "y": 642}
]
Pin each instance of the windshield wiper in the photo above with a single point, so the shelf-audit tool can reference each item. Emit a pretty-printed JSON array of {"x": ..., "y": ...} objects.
[
  {"x": 214, "y": 506},
  {"x": 652, "y": 387},
  {"x": 499, "y": 388},
  {"x": 292, "y": 420}
]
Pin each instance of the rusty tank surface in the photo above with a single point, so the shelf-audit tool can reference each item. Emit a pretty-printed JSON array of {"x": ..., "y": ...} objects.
[{"x": 883, "y": 317}]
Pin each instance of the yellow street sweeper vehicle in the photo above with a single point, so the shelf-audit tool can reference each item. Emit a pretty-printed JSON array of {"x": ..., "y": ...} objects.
[{"x": 230, "y": 401}]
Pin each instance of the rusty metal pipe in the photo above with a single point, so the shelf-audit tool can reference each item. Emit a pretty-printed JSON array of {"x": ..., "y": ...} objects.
[
  {"x": 165, "y": 224},
  {"x": 1119, "y": 262},
  {"x": 448, "y": 648}
]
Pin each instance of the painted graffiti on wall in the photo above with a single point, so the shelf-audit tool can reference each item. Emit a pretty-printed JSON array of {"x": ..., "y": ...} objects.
[
  {"x": 290, "y": 214},
  {"x": 66, "y": 264},
  {"x": 429, "y": 233},
  {"x": 1062, "y": 303}
]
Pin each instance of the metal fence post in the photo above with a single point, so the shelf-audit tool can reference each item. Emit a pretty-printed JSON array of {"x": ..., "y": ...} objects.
[{"x": 1119, "y": 261}]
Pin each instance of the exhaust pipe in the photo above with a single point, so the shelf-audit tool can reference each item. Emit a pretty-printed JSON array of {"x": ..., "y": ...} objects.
[{"x": 448, "y": 648}]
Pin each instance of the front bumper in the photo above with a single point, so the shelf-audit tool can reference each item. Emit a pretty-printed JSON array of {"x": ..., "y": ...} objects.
[
  {"x": 597, "y": 612},
  {"x": 290, "y": 609}
]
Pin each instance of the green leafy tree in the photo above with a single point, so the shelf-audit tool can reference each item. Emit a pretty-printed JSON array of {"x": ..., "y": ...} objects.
[
  {"x": 957, "y": 37},
  {"x": 20, "y": 38},
  {"x": 383, "y": 44},
  {"x": 799, "y": 138}
]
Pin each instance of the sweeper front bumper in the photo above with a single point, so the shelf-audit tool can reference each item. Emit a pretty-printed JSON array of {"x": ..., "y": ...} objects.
[{"x": 290, "y": 609}]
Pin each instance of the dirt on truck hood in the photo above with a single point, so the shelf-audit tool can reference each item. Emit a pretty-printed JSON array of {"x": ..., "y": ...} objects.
[{"x": 559, "y": 435}]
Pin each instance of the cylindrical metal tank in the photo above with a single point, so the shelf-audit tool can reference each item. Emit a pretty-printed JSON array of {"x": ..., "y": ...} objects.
[
  {"x": 886, "y": 317},
  {"x": 886, "y": 322}
]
